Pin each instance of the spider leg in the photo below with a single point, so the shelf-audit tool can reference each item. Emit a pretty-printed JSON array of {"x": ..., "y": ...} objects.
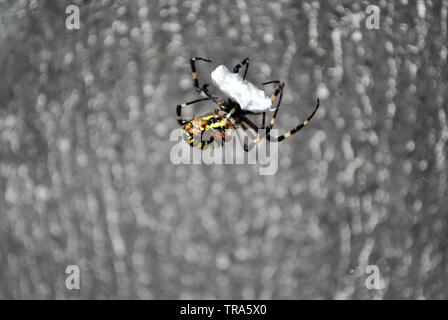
[
  {"x": 245, "y": 120},
  {"x": 202, "y": 91},
  {"x": 255, "y": 128},
  {"x": 179, "y": 107},
  {"x": 263, "y": 120},
  {"x": 239, "y": 65},
  {"x": 241, "y": 139},
  {"x": 278, "y": 93},
  {"x": 291, "y": 132},
  {"x": 241, "y": 121},
  {"x": 249, "y": 123}
]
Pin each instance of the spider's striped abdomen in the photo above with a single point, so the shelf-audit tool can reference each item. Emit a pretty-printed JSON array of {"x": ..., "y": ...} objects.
[{"x": 207, "y": 131}]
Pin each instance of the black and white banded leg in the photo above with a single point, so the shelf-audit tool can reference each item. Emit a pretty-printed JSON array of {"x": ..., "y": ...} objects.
[
  {"x": 296, "y": 129},
  {"x": 202, "y": 91},
  {"x": 278, "y": 93},
  {"x": 245, "y": 62},
  {"x": 179, "y": 108}
]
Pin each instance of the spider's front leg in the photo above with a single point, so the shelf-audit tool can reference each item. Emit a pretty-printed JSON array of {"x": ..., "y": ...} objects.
[
  {"x": 179, "y": 107},
  {"x": 202, "y": 91},
  {"x": 240, "y": 65}
]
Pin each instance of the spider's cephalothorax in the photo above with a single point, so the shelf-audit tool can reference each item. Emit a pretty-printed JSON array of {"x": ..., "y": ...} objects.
[{"x": 210, "y": 130}]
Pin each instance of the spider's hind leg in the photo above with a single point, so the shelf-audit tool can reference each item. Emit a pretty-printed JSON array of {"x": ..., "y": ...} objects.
[
  {"x": 277, "y": 93},
  {"x": 294, "y": 130}
]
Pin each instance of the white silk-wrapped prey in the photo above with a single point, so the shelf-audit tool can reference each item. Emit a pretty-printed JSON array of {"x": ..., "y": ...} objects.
[{"x": 248, "y": 96}]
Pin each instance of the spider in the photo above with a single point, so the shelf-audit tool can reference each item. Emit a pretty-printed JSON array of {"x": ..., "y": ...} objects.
[{"x": 209, "y": 130}]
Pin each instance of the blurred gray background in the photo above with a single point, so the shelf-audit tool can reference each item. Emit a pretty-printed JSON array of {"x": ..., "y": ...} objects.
[{"x": 86, "y": 177}]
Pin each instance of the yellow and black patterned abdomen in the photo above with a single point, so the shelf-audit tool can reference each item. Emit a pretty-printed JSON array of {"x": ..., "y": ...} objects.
[{"x": 207, "y": 131}]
